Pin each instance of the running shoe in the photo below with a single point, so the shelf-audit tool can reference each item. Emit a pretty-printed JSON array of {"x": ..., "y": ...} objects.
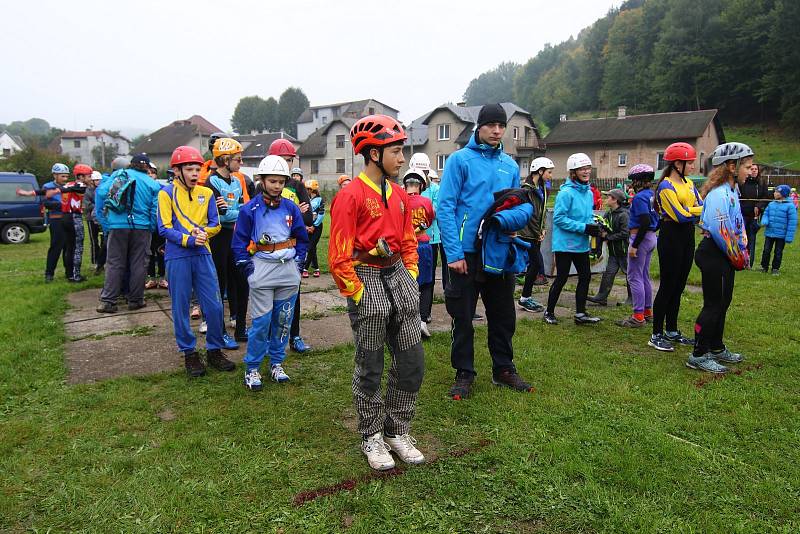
[
  {"x": 252, "y": 380},
  {"x": 150, "y": 284},
  {"x": 678, "y": 338},
  {"x": 726, "y": 356},
  {"x": 316, "y": 273},
  {"x": 163, "y": 284},
  {"x": 278, "y": 374},
  {"x": 549, "y": 318},
  {"x": 631, "y": 322},
  {"x": 705, "y": 363},
  {"x": 510, "y": 379},
  {"x": 229, "y": 343},
  {"x": 404, "y": 447},
  {"x": 298, "y": 345},
  {"x": 659, "y": 342},
  {"x": 530, "y": 305},
  {"x": 584, "y": 318},
  {"x": 305, "y": 273},
  {"x": 377, "y": 452},
  {"x": 423, "y": 329}
]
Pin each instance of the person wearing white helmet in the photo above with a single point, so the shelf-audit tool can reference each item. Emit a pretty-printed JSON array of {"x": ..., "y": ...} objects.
[
  {"x": 272, "y": 265},
  {"x": 96, "y": 236},
  {"x": 432, "y": 192},
  {"x": 541, "y": 170},
  {"x": 573, "y": 224}
]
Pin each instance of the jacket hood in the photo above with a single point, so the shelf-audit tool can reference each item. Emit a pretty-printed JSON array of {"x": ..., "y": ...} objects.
[
  {"x": 483, "y": 148},
  {"x": 576, "y": 185}
]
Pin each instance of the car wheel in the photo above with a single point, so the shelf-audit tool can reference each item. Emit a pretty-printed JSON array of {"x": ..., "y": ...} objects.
[{"x": 15, "y": 234}]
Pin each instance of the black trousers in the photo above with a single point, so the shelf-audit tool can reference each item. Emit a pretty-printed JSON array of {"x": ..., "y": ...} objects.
[
  {"x": 68, "y": 223},
  {"x": 438, "y": 248},
  {"x": 97, "y": 241},
  {"x": 564, "y": 260},
  {"x": 776, "y": 261},
  {"x": 58, "y": 242},
  {"x": 718, "y": 280},
  {"x": 751, "y": 228},
  {"x": 231, "y": 281},
  {"x": 534, "y": 266},
  {"x": 675, "y": 254},
  {"x": 461, "y": 298},
  {"x": 311, "y": 257},
  {"x": 155, "y": 264}
]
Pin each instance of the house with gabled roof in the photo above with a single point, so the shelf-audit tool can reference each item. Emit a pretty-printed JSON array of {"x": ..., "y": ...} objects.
[
  {"x": 10, "y": 144},
  {"x": 193, "y": 131},
  {"x": 617, "y": 143},
  {"x": 255, "y": 148},
  {"x": 315, "y": 117},
  {"x": 327, "y": 153},
  {"x": 79, "y": 145}
]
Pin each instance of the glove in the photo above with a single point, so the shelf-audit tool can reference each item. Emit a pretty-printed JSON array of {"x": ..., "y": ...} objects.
[
  {"x": 246, "y": 267},
  {"x": 358, "y": 294},
  {"x": 592, "y": 230}
]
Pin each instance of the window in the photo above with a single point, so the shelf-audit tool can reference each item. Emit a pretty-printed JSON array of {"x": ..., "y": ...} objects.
[
  {"x": 515, "y": 130},
  {"x": 324, "y": 119},
  {"x": 314, "y": 166},
  {"x": 660, "y": 163},
  {"x": 8, "y": 192},
  {"x": 702, "y": 163},
  {"x": 76, "y": 143},
  {"x": 440, "y": 159},
  {"x": 340, "y": 166},
  {"x": 372, "y": 111},
  {"x": 339, "y": 142},
  {"x": 6, "y": 152},
  {"x": 622, "y": 159},
  {"x": 444, "y": 132}
]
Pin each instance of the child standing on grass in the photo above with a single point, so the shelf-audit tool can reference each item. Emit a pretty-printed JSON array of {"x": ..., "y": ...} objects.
[
  {"x": 780, "y": 221},
  {"x": 616, "y": 217},
  {"x": 315, "y": 230},
  {"x": 422, "y": 216},
  {"x": 541, "y": 170}
]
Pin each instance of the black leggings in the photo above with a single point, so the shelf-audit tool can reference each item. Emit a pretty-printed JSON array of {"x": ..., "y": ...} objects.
[
  {"x": 563, "y": 262},
  {"x": 231, "y": 281},
  {"x": 675, "y": 254},
  {"x": 155, "y": 265},
  {"x": 311, "y": 257},
  {"x": 718, "y": 280},
  {"x": 58, "y": 248},
  {"x": 534, "y": 267}
]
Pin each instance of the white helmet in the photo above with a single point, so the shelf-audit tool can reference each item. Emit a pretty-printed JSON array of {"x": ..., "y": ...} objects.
[
  {"x": 273, "y": 165},
  {"x": 542, "y": 163},
  {"x": 420, "y": 161},
  {"x": 96, "y": 176},
  {"x": 576, "y": 161},
  {"x": 433, "y": 175},
  {"x": 415, "y": 175}
]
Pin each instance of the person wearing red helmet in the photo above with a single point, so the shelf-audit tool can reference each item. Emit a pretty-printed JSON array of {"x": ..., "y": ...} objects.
[
  {"x": 72, "y": 207},
  {"x": 188, "y": 219},
  {"x": 372, "y": 256},
  {"x": 679, "y": 206}
]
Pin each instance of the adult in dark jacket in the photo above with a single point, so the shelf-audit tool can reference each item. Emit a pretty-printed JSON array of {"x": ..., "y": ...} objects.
[
  {"x": 616, "y": 242},
  {"x": 540, "y": 172},
  {"x": 754, "y": 197}
]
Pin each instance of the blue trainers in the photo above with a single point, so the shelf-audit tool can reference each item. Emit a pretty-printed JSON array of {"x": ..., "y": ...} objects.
[
  {"x": 229, "y": 343},
  {"x": 528, "y": 304},
  {"x": 252, "y": 380},
  {"x": 705, "y": 363},
  {"x": 726, "y": 356},
  {"x": 677, "y": 337},
  {"x": 659, "y": 342},
  {"x": 298, "y": 345},
  {"x": 278, "y": 374}
]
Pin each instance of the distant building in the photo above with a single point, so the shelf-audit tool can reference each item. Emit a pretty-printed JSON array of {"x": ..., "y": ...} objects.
[
  {"x": 327, "y": 153},
  {"x": 615, "y": 144},
  {"x": 315, "y": 117},
  {"x": 79, "y": 145},
  {"x": 10, "y": 144},
  {"x": 448, "y": 128},
  {"x": 159, "y": 145}
]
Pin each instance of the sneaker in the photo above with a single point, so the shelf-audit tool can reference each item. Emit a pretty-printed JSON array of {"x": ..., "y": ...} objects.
[
  {"x": 232, "y": 322},
  {"x": 530, "y": 305},
  {"x": 107, "y": 307},
  {"x": 549, "y": 318},
  {"x": 218, "y": 361},
  {"x": 583, "y": 318},
  {"x": 403, "y": 447},
  {"x": 48, "y": 278},
  {"x": 678, "y": 338},
  {"x": 462, "y": 387},
  {"x": 423, "y": 329},
  {"x": 510, "y": 379},
  {"x": 648, "y": 319},
  {"x": 195, "y": 314},
  {"x": 477, "y": 317},
  {"x": 316, "y": 273},
  {"x": 133, "y": 306},
  {"x": 659, "y": 342},
  {"x": 229, "y": 343},
  {"x": 305, "y": 273},
  {"x": 763, "y": 270},
  {"x": 203, "y": 327},
  {"x": 278, "y": 374},
  {"x": 80, "y": 278},
  {"x": 541, "y": 280},
  {"x": 252, "y": 380},
  {"x": 150, "y": 284},
  {"x": 775, "y": 272},
  {"x": 298, "y": 345},
  {"x": 726, "y": 356},
  {"x": 594, "y": 301},
  {"x": 705, "y": 363},
  {"x": 631, "y": 322},
  {"x": 240, "y": 335},
  {"x": 163, "y": 284},
  {"x": 377, "y": 452},
  {"x": 194, "y": 365}
]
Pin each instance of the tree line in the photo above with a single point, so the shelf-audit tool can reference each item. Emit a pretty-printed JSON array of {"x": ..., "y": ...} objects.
[
  {"x": 255, "y": 113},
  {"x": 740, "y": 56}
]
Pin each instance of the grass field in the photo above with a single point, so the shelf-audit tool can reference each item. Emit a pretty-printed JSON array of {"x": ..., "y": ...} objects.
[{"x": 617, "y": 437}]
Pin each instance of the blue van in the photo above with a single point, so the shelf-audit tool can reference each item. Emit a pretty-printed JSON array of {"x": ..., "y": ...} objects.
[{"x": 19, "y": 216}]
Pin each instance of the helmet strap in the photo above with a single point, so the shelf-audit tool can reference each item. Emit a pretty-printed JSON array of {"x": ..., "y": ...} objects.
[
  {"x": 182, "y": 178},
  {"x": 384, "y": 175}
]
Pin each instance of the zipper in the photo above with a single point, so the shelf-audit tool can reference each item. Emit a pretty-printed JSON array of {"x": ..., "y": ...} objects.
[{"x": 461, "y": 232}]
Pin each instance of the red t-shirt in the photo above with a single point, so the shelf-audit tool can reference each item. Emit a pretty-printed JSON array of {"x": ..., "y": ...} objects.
[{"x": 422, "y": 216}]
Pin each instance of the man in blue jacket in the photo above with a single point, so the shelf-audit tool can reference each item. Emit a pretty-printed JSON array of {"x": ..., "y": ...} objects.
[
  {"x": 471, "y": 177},
  {"x": 128, "y": 234}
]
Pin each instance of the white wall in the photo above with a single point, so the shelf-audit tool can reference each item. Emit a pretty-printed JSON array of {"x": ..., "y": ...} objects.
[{"x": 7, "y": 143}]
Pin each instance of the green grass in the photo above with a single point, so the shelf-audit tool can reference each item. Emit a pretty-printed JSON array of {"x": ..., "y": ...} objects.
[
  {"x": 771, "y": 145},
  {"x": 617, "y": 438}
]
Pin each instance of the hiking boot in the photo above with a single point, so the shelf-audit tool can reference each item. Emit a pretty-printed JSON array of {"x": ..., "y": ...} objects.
[
  {"x": 726, "y": 356},
  {"x": 195, "y": 313},
  {"x": 403, "y": 447},
  {"x": 278, "y": 374},
  {"x": 530, "y": 305},
  {"x": 203, "y": 327},
  {"x": 194, "y": 365},
  {"x": 298, "y": 345},
  {"x": 659, "y": 342},
  {"x": 316, "y": 273},
  {"x": 549, "y": 318},
  {"x": 510, "y": 379},
  {"x": 133, "y": 306},
  {"x": 678, "y": 338},
  {"x": 594, "y": 301},
  {"x": 705, "y": 363},
  {"x": 216, "y": 359},
  {"x": 229, "y": 343},
  {"x": 377, "y": 452},
  {"x": 150, "y": 284},
  {"x": 423, "y": 329},
  {"x": 107, "y": 307},
  {"x": 584, "y": 318},
  {"x": 631, "y": 322},
  {"x": 462, "y": 387},
  {"x": 541, "y": 280},
  {"x": 252, "y": 380}
]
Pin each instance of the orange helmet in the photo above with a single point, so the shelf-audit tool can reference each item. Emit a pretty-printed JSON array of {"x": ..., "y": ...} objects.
[
  {"x": 82, "y": 169},
  {"x": 225, "y": 146},
  {"x": 342, "y": 179},
  {"x": 312, "y": 184},
  {"x": 283, "y": 148},
  {"x": 185, "y": 154},
  {"x": 376, "y": 131}
]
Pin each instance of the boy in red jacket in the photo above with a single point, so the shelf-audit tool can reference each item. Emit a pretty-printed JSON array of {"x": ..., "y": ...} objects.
[{"x": 422, "y": 215}]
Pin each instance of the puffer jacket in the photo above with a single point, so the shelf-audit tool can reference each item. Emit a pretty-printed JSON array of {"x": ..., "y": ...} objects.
[
  {"x": 780, "y": 220},
  {"x": 573, "y": 211},
  {"x": 534, "y": 230}
]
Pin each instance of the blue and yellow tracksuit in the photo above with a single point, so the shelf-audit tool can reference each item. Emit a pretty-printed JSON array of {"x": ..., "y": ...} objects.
[
  {"x": 189, "y": 266},
  {"x": 678, "y": 201}
]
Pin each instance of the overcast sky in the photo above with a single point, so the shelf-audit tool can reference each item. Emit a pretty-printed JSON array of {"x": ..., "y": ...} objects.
[{"x": 140, "y": 65}]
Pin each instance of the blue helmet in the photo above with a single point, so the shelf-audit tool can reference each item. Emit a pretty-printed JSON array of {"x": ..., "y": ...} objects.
[{"x": 60, "y": 168}]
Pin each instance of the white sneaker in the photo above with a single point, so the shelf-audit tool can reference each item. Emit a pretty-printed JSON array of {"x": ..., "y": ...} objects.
[
  {"x": 423, "y": 328},
  {"x": 404, "y": 447},
  {"x": 232, "y": 323},
  {"x": 278, "y": 374},
  {"x": 203, "y": 327},
  {"x": 377, "y": 452},
  {"x": 252, "y": 380}
]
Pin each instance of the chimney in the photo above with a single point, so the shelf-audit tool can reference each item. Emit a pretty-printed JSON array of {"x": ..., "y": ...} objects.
[
  {"x": 562, "y": 117},
  {"x": 621, "y": 112},
  {"x": 461, "y": 104}
]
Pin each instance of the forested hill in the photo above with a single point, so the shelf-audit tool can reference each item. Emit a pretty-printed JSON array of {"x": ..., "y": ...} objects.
[{"x": 741, "y": 56}]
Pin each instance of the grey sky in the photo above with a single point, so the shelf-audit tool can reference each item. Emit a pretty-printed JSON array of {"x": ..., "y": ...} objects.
[{"x": 126, "y": 65}]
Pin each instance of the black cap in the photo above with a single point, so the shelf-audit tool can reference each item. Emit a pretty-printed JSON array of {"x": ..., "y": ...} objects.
[
  {"x": 139, "y": 159},
  {"x": 492, "y": 113}
]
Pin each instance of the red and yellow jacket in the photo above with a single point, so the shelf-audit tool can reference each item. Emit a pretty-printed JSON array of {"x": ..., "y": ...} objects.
[{"x": 358, "y": 219}]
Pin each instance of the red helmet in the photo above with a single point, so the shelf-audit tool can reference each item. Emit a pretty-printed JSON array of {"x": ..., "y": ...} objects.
[
  {"x": 185, "y": 154},
  {"x": 680, "y": 152},
  {"x": 377, "y": 131},
  {"x": 81, "y": 168},
  {"x": 282, "y": 148}
]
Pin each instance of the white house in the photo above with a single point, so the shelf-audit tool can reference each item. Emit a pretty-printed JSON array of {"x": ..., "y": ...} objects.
[
  {"x": 10, "y": 144},
  {"x": 315, "y": 117},
  {"x": 79, "y": 145}
]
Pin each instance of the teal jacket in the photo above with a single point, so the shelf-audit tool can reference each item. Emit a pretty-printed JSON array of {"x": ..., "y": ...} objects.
[
  {"x": 573, "y": 211},
  {"x": 432, "y": 192},
  {"x": 231, "y": 191},
  {"x": 145, "y": 204}
]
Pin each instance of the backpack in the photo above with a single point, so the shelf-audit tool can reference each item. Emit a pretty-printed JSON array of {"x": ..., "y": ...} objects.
[{"x": 121, "y": 195}]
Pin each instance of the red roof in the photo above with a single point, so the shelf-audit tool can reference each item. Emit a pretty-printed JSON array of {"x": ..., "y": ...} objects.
[{"x": 203, "y": 125}]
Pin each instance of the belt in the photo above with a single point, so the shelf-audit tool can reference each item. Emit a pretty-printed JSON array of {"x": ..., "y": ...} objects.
[
  {"x": 381, "y": 262},
  {"x": 272, "y": 247}
]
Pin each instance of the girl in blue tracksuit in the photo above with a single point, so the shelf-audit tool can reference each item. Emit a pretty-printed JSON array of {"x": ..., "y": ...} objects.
[
  {"x": 780, "y": 221},
  {"x": 573, "y": 218}
]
